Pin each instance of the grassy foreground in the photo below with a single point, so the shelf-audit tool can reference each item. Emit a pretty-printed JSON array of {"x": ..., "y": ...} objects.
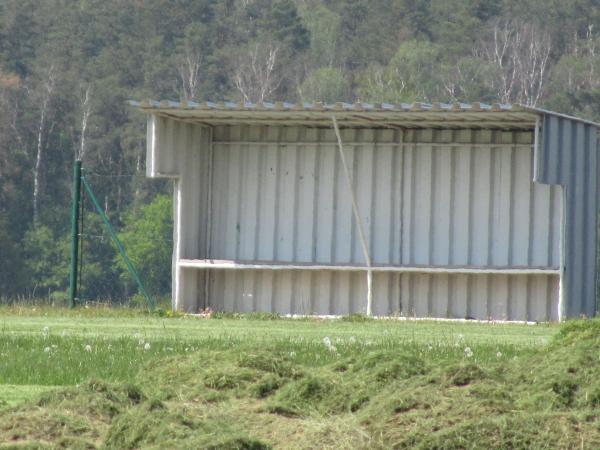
[{"x": 89, "y": 379}]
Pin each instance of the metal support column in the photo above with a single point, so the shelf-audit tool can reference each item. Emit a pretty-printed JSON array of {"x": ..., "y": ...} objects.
[{"x": 76, "y": 200}]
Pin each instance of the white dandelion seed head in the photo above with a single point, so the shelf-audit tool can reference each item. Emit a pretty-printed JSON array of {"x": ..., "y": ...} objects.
[
  {"x": 88, "y": 348},
  {"x": 352, "y": 339},
  {"x": 499, "y": 355},
  {"x": 460, "y": 336},
  {"x": 147, "y": 346},
  {"x": 292, "y": 354},
  {"x": 332, "y": 349},
  {"x": 54, "y": 346},
  {"x": 141, "y": 342},
  {"x": 45, "y": 330},
  {"x": 468, "y": 352},
  {"x": 47, "y": 350},
  {"x": 327, "y": 341},
  {"x": 169, "y": 349}
]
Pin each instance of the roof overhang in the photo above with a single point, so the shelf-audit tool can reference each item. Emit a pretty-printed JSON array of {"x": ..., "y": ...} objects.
[{"x": 352, "y": 115}]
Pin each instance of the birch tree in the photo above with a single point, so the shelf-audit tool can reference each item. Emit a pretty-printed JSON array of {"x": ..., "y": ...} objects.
[
  {"x": 47, "y": 86},
  {"x": 195, "y": 45},
  {"x": 255, "y": 77},
  {"x": 519, "y": 53},
  {"x": 86, "y": 110}
]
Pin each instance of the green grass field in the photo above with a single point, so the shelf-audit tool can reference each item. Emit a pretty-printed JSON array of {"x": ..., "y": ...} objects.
[{"x": 109, "y": 378}]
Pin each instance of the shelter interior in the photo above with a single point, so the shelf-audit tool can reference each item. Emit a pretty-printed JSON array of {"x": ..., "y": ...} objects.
[{"x": 454, "y": 224}]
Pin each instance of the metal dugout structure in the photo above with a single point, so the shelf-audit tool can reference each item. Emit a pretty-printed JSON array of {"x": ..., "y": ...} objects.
[{"x": 445, "y": 210}]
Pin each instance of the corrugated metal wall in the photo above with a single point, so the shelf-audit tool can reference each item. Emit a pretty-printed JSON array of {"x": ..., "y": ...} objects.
[
  {"x": 497, "y": 297},
  {"x": 427, "y": 197},
  {"x": 440, "y": 198},
  {"x": 182, "y": 152},
  {"x": 569, "y": 156}
]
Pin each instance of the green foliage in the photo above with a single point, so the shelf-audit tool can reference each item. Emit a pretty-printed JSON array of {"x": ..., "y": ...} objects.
[
  {"x": 411, "y": 75},
  {"x": 324, "y": 27},
  {"x": 11, "y": 262},
  {"x": 147, "y": 238},
  {"x": 47, "y": 261},
  {"x": 324, "y": 85}
]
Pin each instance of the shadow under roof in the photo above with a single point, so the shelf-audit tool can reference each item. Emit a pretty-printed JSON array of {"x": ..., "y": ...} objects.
[{"x": 353, "y": 115}]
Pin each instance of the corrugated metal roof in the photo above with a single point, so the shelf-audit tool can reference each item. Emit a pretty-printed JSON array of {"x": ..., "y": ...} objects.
[{"x": 404, "y": 115}]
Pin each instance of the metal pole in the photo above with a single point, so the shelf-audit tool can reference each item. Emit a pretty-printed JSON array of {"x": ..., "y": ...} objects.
[
  {"x": 120, "y": 248},
  {"x": 76, "y": 200},
  {"x": 361, "y": 231}
]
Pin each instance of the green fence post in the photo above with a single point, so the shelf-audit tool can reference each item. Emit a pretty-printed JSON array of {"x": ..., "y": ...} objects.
[
  {"x": 76, "y": 199},
  {"x": 120, "y": 248}
]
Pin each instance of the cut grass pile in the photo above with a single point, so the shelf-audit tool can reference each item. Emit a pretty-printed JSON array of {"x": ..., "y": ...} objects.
[{"x": 368, "y": 385}]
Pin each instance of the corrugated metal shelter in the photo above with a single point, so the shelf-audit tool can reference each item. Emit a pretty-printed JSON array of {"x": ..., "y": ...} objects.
[{"x": 443, "y": 210}]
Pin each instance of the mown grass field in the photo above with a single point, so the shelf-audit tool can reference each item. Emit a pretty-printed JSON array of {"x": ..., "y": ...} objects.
[{"x": 102, "y": 378}]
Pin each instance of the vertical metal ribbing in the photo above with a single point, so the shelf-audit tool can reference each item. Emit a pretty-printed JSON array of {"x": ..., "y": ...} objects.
[
  {"x": 562, "y": 291},
  {"x": 451, "y": 225},
  {"x": 334, "y": 215},
  {"x": 208, "y": 236},
  {"x": 356, "y": 152},
  {"x": 584, "y": 172},
  {"x": 511, "y": 208},
  {"x": 471, "y": 217},
  {"x": 469, "y": 302},
  {"x": 393, "y": 196},
  {"x": 411, "y": 209},
  {"x": 296, "y": 188},
  {"x": 241, "y": 154},
  {"x": 373, "y": 199},
  {"x": 277, "y": 195},
  {"x": 551, "y": 226},
  {"x": 432, "y": 209},
  {"x": 549, "y": 297},
  {"x": 261, "y": 169},
  {"x": 531, "y": 212},
  {"x": 491, "y": 205},
  {"x": 357, "y": 218},
  {"x": 536, "y": 160},
  {"x": 315, "y": 202}
]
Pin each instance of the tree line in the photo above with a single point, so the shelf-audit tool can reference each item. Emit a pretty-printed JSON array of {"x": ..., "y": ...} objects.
[{"x": 67, "y": 68}]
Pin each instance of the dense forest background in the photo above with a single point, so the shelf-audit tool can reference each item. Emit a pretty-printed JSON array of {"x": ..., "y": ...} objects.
[{"x": 67, "y": 68}]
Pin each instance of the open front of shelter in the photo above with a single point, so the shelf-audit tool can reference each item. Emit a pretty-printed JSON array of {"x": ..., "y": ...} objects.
[{"x": 457, "y": 211}]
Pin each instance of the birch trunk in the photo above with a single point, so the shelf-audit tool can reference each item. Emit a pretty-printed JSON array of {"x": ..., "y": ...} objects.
[{"x": 37, "y": 170}]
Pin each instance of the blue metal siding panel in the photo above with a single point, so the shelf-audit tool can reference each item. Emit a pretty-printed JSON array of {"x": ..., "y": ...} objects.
[{"x": 568, "y": 156}]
